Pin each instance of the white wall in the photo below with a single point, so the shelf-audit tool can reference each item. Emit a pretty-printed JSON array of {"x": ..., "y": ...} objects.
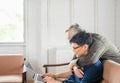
[
  {"x": 117, "y": 22},
  {"x": 107, "y": 19},
  {"x": 101, "y": 16},
  {"x": 58, "y": 20},
  {"x": 47, "y": 20}
]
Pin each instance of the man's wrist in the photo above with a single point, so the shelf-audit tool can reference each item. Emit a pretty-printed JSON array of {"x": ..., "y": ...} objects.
[
  {"x": 59, "y": 82},
  {"x": 55, "y": 76}
]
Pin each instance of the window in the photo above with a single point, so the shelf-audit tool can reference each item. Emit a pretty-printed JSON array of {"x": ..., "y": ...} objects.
[{"x": 11, "y": 21}]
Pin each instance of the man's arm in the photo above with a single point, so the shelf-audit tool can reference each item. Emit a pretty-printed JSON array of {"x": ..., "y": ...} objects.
[
  {"x": 59, "y": 75},
  {"x": 50, "y": 78},
  {"x": 64, "y": 74}
]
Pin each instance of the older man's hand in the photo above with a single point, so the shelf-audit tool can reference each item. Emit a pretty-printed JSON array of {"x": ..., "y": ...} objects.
[{"x": 78, "y": 72}]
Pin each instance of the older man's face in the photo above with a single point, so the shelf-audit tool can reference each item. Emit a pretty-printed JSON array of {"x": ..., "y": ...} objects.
[{"x": 69, "y": 34}]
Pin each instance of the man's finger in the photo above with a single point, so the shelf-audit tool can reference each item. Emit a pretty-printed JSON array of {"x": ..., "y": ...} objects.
[
  {"x": 81, "y": 71},
  {"x": 78, "y": 73}
]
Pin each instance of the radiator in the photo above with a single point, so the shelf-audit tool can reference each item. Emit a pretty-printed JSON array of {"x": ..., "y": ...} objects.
[{"x": 59, "y": 55}]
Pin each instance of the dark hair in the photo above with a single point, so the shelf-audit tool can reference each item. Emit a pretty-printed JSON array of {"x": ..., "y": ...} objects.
[{"x": 82, "y": 38}]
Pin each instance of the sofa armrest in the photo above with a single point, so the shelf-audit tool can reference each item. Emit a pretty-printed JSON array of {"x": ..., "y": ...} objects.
[{"x": 111, "y": 72}]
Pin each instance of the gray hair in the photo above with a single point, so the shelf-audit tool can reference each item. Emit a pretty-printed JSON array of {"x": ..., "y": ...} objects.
[{"x": 75, "y": 29}]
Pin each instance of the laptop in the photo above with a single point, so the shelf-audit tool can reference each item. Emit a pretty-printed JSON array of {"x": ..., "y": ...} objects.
[{"x": 36, "y": 77}]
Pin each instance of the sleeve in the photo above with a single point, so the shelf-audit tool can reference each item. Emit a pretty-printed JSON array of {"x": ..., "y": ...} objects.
[
  {"x": 74, "y": 57},
  {"x": 93, "y": 73},
  {"x": 96, "y": 50}
]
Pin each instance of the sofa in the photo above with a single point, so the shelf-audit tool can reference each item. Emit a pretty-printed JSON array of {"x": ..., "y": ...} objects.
[{"x": 111, "y": 71}]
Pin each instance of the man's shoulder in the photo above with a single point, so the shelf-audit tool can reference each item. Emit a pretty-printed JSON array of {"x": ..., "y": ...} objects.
[{"x": 96, "y": 64}]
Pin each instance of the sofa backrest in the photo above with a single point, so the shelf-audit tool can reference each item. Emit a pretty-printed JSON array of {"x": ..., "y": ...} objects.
[
  {"x": 111, "y": 72},
  {"x": 11, "y": 64}
]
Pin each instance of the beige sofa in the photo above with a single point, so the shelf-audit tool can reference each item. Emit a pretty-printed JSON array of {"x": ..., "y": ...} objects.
[
  {"x": 11, "y": 68},
  {"x": 111, "y": 71}
]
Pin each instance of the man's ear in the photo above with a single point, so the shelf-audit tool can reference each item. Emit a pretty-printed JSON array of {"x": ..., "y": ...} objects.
[{"x": 86, "y": 46}]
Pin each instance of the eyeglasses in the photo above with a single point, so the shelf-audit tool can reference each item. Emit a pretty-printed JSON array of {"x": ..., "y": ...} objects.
[{"x": 76, "y": 47}]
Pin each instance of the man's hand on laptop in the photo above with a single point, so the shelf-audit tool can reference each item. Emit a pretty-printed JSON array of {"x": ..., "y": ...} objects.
[
  {"x": 49, "y": 75},
  {"x": 50, "y": 80}
]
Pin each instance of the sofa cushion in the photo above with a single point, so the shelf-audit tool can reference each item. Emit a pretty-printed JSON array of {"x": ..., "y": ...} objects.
[
  {"x": 11, "y": 68},
  {"x": 11, "y": 78}
]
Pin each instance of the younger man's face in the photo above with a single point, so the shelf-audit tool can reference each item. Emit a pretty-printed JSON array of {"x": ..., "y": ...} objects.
[{"x": 79, "y": 50}]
